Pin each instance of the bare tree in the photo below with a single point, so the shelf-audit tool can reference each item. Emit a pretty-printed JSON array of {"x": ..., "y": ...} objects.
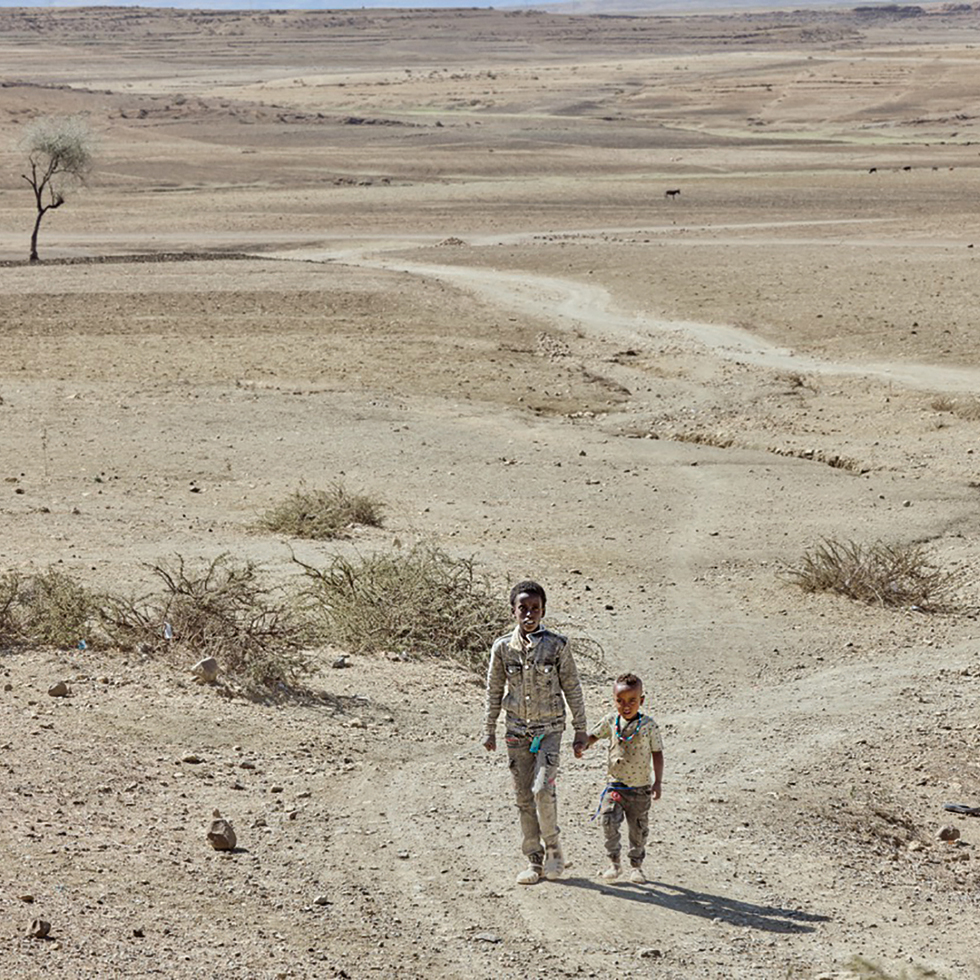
[{"x": 59, "y": 151}]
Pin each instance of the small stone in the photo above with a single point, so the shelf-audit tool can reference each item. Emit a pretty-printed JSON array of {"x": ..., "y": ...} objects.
[
  {"x": 39, "y": 929},
  {"x": 404, "y": 855},
  {"x": 649, "y": 953},
  {"x": 916, "y": 845},
  {"x": 357, "y": 723},
  {"x": 222, "y": 836},
  {"x": 486, "y": 937},
  {"x": 191, "y": 758},
  {"x": 321, "y": 900},
  {"x": 26, "y": 898},
  {"x": 205, "y": 671},
  {"x": 340, "y": 663},
  {"x": 59, "y": 690},
  {"x": 948, "y": 832},
  {"x": 8, "y": 686},
  {"x": 138, "y": 933},
  {"x": 275, "y": 789}
]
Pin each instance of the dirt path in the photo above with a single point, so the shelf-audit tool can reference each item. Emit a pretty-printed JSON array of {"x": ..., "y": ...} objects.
[{"x": 569, "y": 304}]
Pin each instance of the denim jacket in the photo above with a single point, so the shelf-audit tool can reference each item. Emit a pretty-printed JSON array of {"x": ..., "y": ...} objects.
[{"x": 532, "y": 686}]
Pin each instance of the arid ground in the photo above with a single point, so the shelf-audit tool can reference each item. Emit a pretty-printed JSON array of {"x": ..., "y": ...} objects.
[{"x": 433, "y": 256}]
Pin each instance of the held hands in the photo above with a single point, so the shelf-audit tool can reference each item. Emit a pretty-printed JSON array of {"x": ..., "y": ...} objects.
[
  {"x": 581, "y": 743},
  {"x": 490, "y": 743}
]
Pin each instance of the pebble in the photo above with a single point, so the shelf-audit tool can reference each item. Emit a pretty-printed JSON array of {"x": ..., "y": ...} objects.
[
  {"x": 649, "y": 954},
  {"x": 59, "y": 690},
  {"x": 321, "y": 900},
  {"x": 39, "y": 929},
  {"x": 486, "y": 937},
  {"x": 340, "y": 663},
  {"x": 191, "y": 758},
  {"x": 948, "y": 832}
]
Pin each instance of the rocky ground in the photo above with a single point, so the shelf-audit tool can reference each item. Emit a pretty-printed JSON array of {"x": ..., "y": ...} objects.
[{"x": 431, "y": 255}]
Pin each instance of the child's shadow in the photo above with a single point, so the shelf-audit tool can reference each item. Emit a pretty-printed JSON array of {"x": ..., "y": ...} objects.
[{"x": 767, "y": 917}]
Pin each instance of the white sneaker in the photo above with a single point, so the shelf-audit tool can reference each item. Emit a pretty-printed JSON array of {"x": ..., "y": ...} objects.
[
  {"x": 554, "y": 862},
  {"x": 637, "y": 876},
  {"x": 531, "y": 875},
  {"x": 611, "y": 873}
]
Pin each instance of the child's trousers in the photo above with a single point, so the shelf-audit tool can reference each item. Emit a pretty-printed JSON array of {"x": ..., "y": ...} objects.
[
  {"x": 631, "y": 803},
  {"x": 534, "y": 776}
]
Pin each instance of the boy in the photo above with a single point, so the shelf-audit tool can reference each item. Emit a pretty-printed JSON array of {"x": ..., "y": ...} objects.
[
  {"x": 634, "y": 743},
  {"x": 536, "y": 668}
]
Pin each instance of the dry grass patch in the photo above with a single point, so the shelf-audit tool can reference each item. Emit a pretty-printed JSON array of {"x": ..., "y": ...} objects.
[
  {"x": 963, "y": 408},
  {"x": 321, "y": 515},
  {"x": 877, "y": 574},
  {"x": 223, "y": 609}
]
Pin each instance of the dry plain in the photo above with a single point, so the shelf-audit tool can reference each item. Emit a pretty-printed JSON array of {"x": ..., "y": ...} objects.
[{"x": 433, "y": 254}]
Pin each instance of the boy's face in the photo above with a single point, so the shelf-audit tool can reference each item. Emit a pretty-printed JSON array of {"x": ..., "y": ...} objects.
[
  {"x": 528, "y": 611},
  {"x": 628, "y": 701}
]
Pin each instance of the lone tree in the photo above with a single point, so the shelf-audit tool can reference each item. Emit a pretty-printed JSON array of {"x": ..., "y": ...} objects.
[{"x": 59, "y": 150}]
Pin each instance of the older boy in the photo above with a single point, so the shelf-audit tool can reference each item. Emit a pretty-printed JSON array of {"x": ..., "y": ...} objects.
[
  {"x": 536, "y": 669},
  {"x": 634, "y": 744}
]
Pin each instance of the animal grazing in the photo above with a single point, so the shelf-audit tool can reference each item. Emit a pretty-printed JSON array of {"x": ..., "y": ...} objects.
[
  {"x": 873, "y": 170},
  {"x": 672, "y": 193}
]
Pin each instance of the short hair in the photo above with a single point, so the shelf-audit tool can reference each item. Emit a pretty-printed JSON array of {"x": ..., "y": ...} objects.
[
  {"x": 629, "y": 680},
  {"x": 527, "y": 587}
]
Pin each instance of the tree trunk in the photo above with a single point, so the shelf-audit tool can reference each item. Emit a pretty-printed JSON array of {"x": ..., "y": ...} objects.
[{"x": 37, "y": 227}]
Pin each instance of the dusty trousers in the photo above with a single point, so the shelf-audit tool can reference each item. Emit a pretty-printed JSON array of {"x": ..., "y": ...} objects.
[{"x": 534, "y": 775}]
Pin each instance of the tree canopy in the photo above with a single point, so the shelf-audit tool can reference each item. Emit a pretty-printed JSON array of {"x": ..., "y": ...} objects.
[{"x": 59, "y": 153}]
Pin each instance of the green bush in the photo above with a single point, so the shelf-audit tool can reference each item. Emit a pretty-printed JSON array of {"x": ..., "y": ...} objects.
[
  {"x": 422, "y": 601},
  {"x": 50, "y": 608}
]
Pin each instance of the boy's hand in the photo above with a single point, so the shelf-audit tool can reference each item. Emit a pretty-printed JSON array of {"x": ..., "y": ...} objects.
[
  {"x": 490, "y": 743},
  {"x": 580, "y": 744},
  {"x": 655, "y": 790}
]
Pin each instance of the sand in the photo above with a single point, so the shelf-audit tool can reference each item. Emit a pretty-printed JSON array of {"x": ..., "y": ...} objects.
[{"x": 432, "y": 255}]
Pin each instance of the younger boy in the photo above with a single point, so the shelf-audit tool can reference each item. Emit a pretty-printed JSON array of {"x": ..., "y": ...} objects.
[
  {"x": 536, "y": 669},
  {"x": 634, "y": 743}
]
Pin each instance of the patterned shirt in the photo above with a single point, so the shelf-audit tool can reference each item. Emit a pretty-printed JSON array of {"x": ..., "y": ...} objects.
[{"x": 631, "y": 747}]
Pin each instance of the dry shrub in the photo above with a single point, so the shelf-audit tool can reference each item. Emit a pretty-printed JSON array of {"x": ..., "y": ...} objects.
[
  {"x": 878, "y": 574},
  {"x": 321, "y": 514},
  {"x": 222, "y": 609},
  {"x": 862, "y": 969},
  {"x": 50, "y": 608},
  {"x": 423, "y": 601},
  {"x": 718, "y": 440},
  {"x": 963, "y": 408}
]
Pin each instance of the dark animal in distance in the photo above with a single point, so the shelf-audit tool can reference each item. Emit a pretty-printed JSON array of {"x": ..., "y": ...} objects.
[
  {"x": 873, "y": 170},
  {"x": 672, "y": 193}
]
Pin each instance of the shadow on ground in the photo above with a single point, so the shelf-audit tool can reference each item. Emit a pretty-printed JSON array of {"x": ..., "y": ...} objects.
[{"x": 768, "y": 918}]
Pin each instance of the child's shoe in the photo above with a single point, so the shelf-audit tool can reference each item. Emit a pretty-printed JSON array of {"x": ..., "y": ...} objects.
[
  {"x": 531, "y": 875},
  {"x": 554, "y": 862},
  {"x": 611, "y": 873},
  {"x": 637, "y": 876}
]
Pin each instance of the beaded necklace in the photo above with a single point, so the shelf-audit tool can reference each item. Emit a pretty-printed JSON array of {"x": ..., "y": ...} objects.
[{"x": 628, "y": 738}]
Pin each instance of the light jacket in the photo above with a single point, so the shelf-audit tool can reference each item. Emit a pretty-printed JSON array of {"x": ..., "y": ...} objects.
[{"x": 537, "y": 681}]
